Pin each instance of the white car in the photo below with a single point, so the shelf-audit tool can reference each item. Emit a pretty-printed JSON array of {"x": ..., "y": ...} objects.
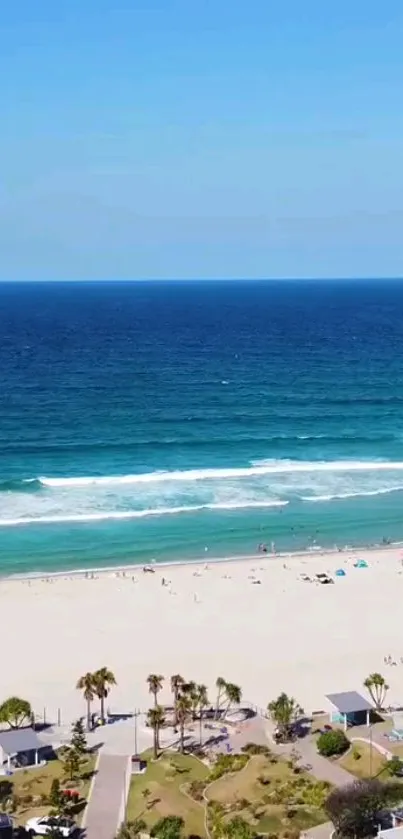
[{"x": 43, "y": 826}]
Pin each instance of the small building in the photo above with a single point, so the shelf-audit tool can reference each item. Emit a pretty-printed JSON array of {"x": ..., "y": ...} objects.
[
  {"x": 349, "y": 708},
  {"x": 20, "y": 747}
]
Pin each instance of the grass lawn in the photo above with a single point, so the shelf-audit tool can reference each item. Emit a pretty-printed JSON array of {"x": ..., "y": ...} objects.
[
  {"x": 164, "y": 779},
  {"x": 270, "y": 796},
  {"x": 362, "y": 766},
  {"x": 245, "y": 784},
  {"x": 35, "y": 783},
  {"x": 267, "y": 793}
]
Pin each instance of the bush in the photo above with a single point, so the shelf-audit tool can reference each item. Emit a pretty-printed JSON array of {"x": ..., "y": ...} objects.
[
  {"x": 256, "y": 749},
  {"x": 196, "y": 790},
  {"x": 227, "y": 763},
  {"x": 394, "y": 766},
  {"x": 333, "y": 742},
  {"x": 169, "y": 827}
]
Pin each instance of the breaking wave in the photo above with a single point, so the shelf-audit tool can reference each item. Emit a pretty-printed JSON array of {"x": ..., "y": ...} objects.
[
  {"x": 119, "y": 515},
  {"x": 265, "y": 467}
]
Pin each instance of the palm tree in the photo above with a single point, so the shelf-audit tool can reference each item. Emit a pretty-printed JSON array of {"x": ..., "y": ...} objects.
[
  {"x": 202, "y": 701},
  {"x": 177, "y": 682},
  {"x": 285, "y": 712},
  {"x": 183, "y": 708},
  {"x": 155, "y": 685},
  {"x": 86, "y": 684},
  {"x": 156, "y": 718},
  {"x": 233, "y": 694},
  {"x": 220, "y": 685},
  {"x": 193, "y": 695},
  {"x": 103, "y": 681},
  {"x": 377, "y": 689},
  {"x": 188, "y": 688}
]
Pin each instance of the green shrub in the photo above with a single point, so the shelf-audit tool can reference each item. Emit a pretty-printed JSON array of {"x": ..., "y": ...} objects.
[
  {"x": 227, "y": 763},
  {"x": 394, "y": 766},
  {"x": 256, "y": 749},
  {"x": 196, "y": 790},
  {"x": 333, "y": 742}
]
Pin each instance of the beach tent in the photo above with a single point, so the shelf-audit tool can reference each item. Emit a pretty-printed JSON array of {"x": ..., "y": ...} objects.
[
  {"x": 361, "y": 564},
  {"x": 340, "y": 572}
]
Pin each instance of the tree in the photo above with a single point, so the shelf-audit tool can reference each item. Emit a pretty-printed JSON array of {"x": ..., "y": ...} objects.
[
  {"x": 15, "y": 711},
  {"x": 183, "y": 709},
  {"x": 155, "y": 685},
  {"x": 354, "y": 809},
  {"x": 86, "y": 684},
  {"x": 332, "y": 742},
  {"x": 377, "y": 689},
  {"x": 220, "y": 685},
  {"x": 177, "y": 682},
  {"x": 285, "y": 712},
  {"x": 132, "y": 830},
  {"x": 169, "y": 827},
  {"x": 202, "y": 701},
  {"x": 156, "y": 718},
  {"x": 55, "y": 795},
  {"x": 71, "y": 762},
  {"x": 78, "y": 738},
  {"x": 193, "y": 695},
  {"x": 233, "y": 695},
  {"x": 238, "y": 828},
  {"x": 104, "y": 679}
]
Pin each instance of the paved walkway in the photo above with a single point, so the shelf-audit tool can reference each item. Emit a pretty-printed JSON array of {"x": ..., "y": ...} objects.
[
  {"x": 320, "y": 767},
  {"x": 107, "y": 799}
]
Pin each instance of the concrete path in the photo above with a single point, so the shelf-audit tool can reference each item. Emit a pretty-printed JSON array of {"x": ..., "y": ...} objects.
[
  {"x": 106, "y": 806},
  {"x": 320, "y": 767}
]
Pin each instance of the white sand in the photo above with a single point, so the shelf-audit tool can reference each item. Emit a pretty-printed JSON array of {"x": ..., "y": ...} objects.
[{"x": 284, "y": 634}]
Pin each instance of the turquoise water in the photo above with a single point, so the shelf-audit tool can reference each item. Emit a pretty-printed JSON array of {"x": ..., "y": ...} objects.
[{"x": 155, "y": 421}]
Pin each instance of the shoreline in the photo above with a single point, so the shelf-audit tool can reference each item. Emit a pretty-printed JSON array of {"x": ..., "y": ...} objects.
[{"x": 204, "y": 560}]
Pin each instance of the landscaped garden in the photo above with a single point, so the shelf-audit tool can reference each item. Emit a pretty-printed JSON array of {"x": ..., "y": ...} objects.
[
  {"x": 364, "y": 762},
  {"x": 27, "y": 792},
  {"x": 162, "y": 791},
  {"x": 60, "y": 785},
  {"x": 260, "y": 791}
]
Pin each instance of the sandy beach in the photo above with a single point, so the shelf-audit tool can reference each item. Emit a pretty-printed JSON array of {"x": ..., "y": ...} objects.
[{"x": 254, "y": 622}]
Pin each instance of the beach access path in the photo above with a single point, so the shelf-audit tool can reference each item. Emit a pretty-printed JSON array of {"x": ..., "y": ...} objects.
[{"x": 107, "y": 801}]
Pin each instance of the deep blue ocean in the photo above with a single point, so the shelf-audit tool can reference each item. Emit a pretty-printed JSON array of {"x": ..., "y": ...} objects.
[{"x": 172, "y": 420}]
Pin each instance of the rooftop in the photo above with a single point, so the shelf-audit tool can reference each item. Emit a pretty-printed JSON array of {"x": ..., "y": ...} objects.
[
  {"x": 19, "y": 740},
  {"x": 349, "y": 702}
]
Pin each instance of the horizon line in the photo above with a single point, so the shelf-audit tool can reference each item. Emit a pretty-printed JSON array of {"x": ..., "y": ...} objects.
[{"x": 5, "y": 281}]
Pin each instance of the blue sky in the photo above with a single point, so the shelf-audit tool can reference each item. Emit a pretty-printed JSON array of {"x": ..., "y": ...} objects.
[{"x": 201, "y": 138}]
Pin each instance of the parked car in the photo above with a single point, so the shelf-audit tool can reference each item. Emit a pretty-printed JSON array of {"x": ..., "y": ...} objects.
[{"x": 43, "y": 826}]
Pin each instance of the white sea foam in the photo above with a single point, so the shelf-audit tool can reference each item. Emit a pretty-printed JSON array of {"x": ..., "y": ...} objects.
[
  {"x": 382, "y": 491},
  {"x": 265, "y": 467},
  {"x": 121, "y": 515}
]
